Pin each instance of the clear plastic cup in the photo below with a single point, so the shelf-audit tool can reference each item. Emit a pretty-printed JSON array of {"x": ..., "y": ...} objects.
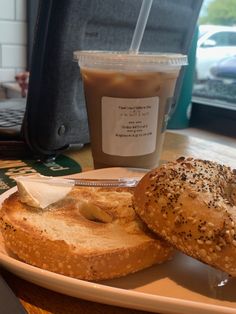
[{"x": 128, "y": 98}]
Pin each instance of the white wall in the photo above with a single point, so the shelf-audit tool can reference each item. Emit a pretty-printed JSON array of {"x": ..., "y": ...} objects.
[{"x": 13, "y": 38}]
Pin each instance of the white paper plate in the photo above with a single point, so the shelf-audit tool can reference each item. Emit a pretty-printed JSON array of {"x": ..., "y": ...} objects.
[{"x": 182, "y": 285}]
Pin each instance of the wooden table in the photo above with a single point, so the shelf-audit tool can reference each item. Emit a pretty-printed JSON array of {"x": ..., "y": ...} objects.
[{"x": 37, "y": 300}]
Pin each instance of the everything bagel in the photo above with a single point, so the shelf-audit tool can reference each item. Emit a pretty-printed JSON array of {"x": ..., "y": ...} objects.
[{"x": 191, "y": 203}]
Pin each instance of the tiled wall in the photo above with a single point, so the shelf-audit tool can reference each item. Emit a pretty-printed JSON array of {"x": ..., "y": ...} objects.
[{"x": 12, "y": 38}]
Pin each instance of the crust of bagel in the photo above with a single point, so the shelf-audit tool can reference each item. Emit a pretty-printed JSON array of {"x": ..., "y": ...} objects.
[
  {"x": 62, "y": 241},
  {"x": 191, "y": 203}
]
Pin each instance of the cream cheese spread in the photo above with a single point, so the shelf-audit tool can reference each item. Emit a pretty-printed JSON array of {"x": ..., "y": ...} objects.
[{"x": 40, "y": 192}]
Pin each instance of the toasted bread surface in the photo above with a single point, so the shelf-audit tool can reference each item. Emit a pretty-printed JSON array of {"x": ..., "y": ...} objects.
[{"x": 91, "y": 234}]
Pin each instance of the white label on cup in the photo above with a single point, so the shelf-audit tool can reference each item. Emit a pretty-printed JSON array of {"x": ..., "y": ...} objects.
[{"x": 129, "y": 125}]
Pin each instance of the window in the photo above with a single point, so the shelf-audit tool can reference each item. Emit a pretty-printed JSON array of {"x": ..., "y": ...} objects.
[
  {"x": 214, "y": 90},
  {"x": 215, "y": 69}
]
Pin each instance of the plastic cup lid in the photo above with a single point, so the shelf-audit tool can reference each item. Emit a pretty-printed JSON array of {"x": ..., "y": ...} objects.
[{"x": 105, "y": 59}]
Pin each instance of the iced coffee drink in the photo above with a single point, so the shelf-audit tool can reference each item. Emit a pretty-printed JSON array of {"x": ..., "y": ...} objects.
[{"x": 127, "y": 108}]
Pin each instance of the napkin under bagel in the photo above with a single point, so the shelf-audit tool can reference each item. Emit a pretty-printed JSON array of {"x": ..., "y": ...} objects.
[
  {"x": 92, "y": 234},
  {"x": 191, "y": 203}
]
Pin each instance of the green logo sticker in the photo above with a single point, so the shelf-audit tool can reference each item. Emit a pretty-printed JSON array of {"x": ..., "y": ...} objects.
[{"x": 9, "y": 169}]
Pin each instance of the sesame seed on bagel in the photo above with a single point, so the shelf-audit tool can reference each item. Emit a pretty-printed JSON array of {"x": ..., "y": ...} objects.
[{"x": 191, "y": 203}]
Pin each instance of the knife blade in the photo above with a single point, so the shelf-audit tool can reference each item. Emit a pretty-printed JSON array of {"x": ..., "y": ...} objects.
[{"x": 120, "y": 182}]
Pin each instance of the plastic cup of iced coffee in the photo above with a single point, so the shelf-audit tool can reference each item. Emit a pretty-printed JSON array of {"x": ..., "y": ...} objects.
[{"x": 127, "y": 99}]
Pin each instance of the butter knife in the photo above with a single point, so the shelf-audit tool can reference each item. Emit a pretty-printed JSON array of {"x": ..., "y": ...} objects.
[{"x": 120, "y": 182}]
